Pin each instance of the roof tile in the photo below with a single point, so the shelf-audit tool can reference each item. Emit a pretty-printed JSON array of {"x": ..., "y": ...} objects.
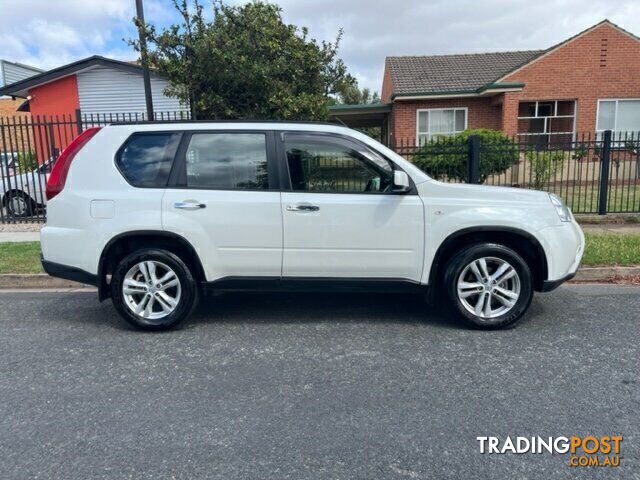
[{"x": 418, "y": 75}]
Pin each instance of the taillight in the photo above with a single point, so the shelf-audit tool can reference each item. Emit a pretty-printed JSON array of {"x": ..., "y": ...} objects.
[{"x": 60, "y": 169}]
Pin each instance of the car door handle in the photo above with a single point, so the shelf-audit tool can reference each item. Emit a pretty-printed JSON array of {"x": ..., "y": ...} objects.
[
  {"x": 189, "y": 205},
  {"x": 302, "y": 207}
]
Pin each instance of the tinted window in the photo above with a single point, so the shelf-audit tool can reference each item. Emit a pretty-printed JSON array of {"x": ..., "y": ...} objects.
[
  {"x": 326, "y": 166},
  {"x": 227, "y": 161},
  {"x": 146, "y": 159}
]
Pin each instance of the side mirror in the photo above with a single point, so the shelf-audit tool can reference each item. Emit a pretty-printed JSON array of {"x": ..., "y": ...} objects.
[{"x": 401, "y": 181}]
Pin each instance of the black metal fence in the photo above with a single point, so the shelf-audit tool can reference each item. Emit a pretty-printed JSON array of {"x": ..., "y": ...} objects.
[
  {"x": 593, "y": 173},
  {"x": 30, "y": 144}
]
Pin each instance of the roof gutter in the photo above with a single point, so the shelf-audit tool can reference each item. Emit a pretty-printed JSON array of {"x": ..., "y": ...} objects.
[{"x": 483, "y": 91}]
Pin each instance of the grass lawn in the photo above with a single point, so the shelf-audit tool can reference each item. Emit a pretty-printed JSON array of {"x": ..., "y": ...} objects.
[
  {"x": 20, "y": 257},
  {"x": 601, "y": 249},
  {"x": 612, "y": 249}
]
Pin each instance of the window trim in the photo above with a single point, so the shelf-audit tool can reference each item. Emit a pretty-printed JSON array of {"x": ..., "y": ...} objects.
[
  {"x": 178, "y": 179},
  {"x": 615, "y": 117},
  {"x": 429, "y": 110},
  {"x": 546, "y": 118},
  {"x": 284, "y": 165}
]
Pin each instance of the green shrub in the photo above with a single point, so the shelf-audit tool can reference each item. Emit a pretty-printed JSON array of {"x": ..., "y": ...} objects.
[
  {"x": 544, "y": 165},
  {"x": 448, "y": 157},
  {"x": 27, "y": 161}
]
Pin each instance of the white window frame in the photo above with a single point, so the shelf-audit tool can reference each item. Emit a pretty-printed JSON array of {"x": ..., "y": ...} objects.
[
  {"x": 429, "y": 110},
  {"x": 550, "y": 117},
  {"x": 599, "y": 131}
]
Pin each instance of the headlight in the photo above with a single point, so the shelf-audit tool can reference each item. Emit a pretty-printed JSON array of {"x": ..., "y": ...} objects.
[{"x": 563, "y": 211}]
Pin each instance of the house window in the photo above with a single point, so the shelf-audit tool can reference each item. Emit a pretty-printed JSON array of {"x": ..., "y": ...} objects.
[
  {"x": 621, "y": 116},
  {"x": 435, "y": 122},
  {"x": 547, "y": 122}
]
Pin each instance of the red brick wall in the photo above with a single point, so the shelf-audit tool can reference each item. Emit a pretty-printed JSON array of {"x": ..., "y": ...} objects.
[
  {"x": 482, "y": 113},
  {"x": 602, "y": 63},
  {"x": 387, "y": 85},
  {"x": 13, "y": 138}
]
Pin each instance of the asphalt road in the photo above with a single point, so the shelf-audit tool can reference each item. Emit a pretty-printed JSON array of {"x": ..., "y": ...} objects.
[{"x": 313, "y": 386}]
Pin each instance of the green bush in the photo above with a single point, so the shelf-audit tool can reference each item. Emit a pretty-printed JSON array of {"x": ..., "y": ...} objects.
[
  {"x": 448, "y": 157},
  {"x": 27, "y": 161},
  {"x": 544, "y": 165}
]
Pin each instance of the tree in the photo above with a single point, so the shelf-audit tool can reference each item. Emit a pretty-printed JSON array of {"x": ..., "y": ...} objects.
[
  {"x": 245, "y": 63},
  {"x": 351, "y": 94}
]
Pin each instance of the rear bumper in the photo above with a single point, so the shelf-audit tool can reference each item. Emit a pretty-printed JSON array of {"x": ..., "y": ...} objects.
[{"x": 68, "y": 273}]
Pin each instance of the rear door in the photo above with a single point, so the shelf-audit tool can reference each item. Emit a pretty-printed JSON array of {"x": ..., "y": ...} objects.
[
  {"x": 341, "y": 217},
  {"x": 223, "y": 197}
]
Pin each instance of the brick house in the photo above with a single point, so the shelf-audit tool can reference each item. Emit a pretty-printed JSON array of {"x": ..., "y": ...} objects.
[{"x": 586, "y": 84}]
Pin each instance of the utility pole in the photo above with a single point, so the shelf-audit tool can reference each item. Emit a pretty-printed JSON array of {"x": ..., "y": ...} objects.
[{"x": 145, "y": 61}]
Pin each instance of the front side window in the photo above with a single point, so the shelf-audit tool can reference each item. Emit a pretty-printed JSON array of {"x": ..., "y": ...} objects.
[
  {"x": 322, "y": 165},
  {"x": 227, "y": 161},
  {"x": 621, "y": 116},
  {"x": 146, "y": 158},
  {"x": 436, "y": 122}
]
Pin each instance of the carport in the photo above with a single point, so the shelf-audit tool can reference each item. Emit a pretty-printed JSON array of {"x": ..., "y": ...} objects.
[{"x": 362, "y": 116}]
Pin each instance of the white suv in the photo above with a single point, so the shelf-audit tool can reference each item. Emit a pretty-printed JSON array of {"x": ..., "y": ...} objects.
[{"x": 157, "y": 214}]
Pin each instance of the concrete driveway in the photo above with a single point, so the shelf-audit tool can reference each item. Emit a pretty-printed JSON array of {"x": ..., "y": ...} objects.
[{"x": 313, "y": 386}]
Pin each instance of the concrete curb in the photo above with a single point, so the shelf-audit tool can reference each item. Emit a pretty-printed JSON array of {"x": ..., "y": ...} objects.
[
  {"x": 594, "y": 274},
  {"x": 44, "y": 281},
  {"x": 35, "y": 280}
]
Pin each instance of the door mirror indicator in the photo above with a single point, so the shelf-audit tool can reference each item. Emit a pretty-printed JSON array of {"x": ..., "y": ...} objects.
[{"x": 401, "y": 181}]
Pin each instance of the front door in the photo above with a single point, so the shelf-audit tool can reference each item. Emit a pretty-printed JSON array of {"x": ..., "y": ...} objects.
[
  {"x": 341, "y": 216},
  {"x": 225, "y": 202}
]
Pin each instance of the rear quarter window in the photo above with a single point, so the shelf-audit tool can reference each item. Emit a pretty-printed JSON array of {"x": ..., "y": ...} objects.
[{"x": 145, "y": 159}]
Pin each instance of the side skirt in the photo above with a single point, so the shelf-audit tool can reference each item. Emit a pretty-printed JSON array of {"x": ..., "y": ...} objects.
[{"x": 311, "y": 284}]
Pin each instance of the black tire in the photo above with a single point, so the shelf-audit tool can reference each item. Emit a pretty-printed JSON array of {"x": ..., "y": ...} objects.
[
  {"x": 29, "y": 204},
  {"x": 189, "y": 293},
  {"x": 457, "y": 265}
]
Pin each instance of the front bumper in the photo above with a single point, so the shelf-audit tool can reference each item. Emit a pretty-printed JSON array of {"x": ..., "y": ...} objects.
[
  {"x": 563, "y": 246},
  {"x": 549, "y": 285}
]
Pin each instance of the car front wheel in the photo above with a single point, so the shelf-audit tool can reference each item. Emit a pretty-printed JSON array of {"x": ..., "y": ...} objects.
[
  {"x": 153, "y": 289},
  {"x": 488, "y": 286},
  {"x": 19, "y": 204}
]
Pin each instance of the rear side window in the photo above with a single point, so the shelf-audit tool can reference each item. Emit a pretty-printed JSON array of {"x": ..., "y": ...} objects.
[
  {"x": 145, "y": 159},
  {"x": 227, "y": 161}
]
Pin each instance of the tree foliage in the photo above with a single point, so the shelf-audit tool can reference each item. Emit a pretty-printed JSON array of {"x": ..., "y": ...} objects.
[
  {"x": 245, "y": 63},
  {"x": 448, "y": 157},
  {"x": 351, "y": 94}
]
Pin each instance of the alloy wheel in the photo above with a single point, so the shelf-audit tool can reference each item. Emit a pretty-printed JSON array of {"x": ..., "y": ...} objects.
[
  {"x": 488, "y": 287},
  {"x": 151, "y": 290},
  {"x": 18, "y": 205}
]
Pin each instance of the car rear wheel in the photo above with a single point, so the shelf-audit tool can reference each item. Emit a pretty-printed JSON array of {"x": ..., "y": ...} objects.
[
  {"x": 488, "y": 286},
  {"x": 153, "y": 289}
]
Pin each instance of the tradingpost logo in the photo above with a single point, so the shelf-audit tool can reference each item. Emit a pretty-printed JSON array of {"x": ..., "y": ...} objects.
[{"x": 583, "y": 451}]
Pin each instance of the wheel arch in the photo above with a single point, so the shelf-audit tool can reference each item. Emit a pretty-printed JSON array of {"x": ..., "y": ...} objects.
[
  {"x": 125, "y": 243},
  {"x": 521, "y": 241}
]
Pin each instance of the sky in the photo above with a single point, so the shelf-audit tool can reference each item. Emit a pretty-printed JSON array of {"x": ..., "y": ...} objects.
[{"x": 50, "y": 33}]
